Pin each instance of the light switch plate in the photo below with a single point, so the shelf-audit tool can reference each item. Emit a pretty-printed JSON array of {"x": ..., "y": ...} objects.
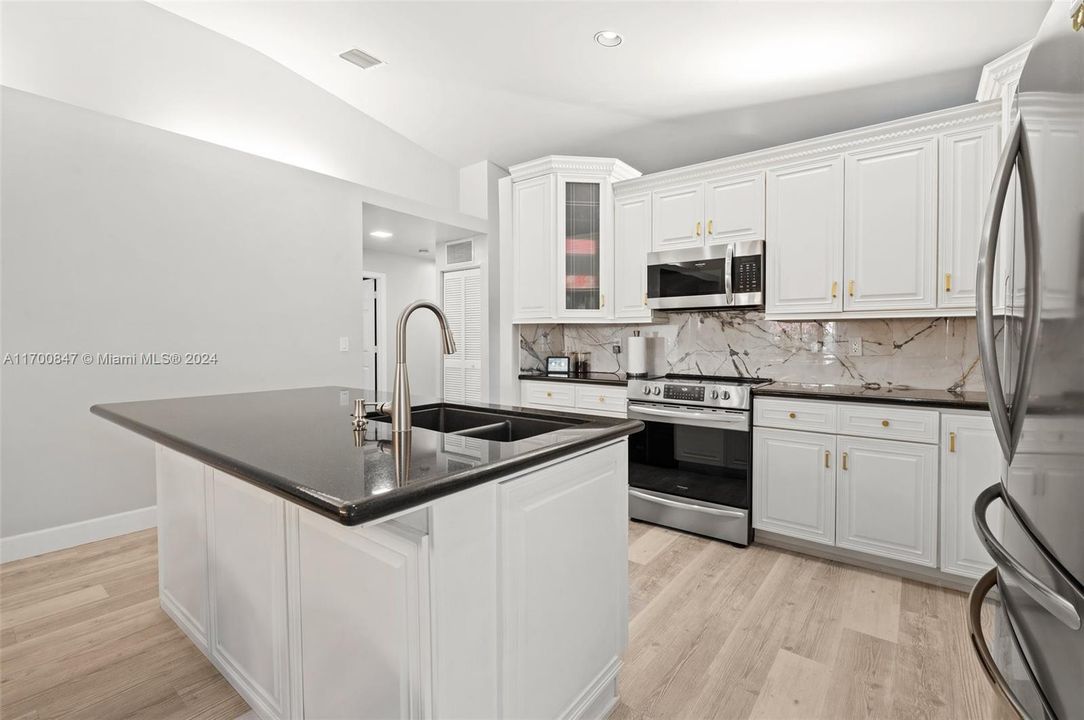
[{"x": 344, "y": 344}]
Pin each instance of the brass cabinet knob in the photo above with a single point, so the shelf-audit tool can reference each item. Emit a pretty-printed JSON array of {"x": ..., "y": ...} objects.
[
  {"x": 792, "y": 415},
  {"x": 884, "y": 423},
  {"x": 601, "y": 398},
  {"x": 549, "y": 394}
]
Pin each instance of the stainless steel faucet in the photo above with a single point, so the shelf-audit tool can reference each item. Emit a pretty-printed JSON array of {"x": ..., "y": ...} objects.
[{"x": 400, "y": 401}]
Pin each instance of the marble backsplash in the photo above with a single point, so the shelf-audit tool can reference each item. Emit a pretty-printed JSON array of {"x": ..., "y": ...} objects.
[{"x": 928, "y": 353}]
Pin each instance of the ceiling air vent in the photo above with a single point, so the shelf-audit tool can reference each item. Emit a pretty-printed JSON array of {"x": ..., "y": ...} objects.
[
  {"x": 362, "y": 59},
  {"x": 459, "y": 252}
]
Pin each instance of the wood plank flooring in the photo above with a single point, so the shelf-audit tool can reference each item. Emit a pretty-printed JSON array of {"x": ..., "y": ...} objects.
[{"x": 715, "y": 632}]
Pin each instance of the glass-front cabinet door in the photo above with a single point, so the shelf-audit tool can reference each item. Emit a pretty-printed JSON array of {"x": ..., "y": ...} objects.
[{"x": 585, "y": 245}]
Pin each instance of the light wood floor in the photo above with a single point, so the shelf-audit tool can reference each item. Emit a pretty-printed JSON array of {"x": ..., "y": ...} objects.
[{"x": 715, "y": 632}]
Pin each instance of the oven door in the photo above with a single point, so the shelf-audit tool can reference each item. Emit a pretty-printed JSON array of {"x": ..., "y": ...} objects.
[
  {"x": 690, "y": 468},
  {"x": 728, "y": 275}
]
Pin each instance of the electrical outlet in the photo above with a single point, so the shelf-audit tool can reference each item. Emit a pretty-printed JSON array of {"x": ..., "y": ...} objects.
[
  {"x": 616, "y": 349},
  {"x": 856, "y": 346},
  {"x": 344, "y": 344}
]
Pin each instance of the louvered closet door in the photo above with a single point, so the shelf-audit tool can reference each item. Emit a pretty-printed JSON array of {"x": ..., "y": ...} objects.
[{"x": 463, "y": 306}]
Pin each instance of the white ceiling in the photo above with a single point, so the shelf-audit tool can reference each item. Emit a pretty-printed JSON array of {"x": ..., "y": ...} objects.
[
  {"x": 410, "y": 233},
  {"x": 510, "y": 81}
]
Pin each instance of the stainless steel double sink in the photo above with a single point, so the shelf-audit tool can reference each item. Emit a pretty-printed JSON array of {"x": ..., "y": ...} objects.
[{"x": 494, "y": 425}]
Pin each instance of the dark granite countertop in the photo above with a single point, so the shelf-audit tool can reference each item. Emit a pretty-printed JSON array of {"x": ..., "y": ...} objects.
[
  {"x": 894, "y": 394},
  {"x": 594, "y": 378},
  {"x": 300, "y": 445}
]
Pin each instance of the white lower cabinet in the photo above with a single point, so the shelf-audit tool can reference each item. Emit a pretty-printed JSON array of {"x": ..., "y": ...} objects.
[
  {"x": 558, "y": 531},
  {"x": 249, "y": 636},
  {"x": 584, "y": 398},
  {"x": 970, "y": 462},
  {"x": 794, "y": 483},
  {"x": 886, "y": 499}
]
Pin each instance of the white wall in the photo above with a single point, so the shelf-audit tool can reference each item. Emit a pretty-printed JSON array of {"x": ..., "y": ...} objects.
[
  {"x": 409, "y": 279},
  {"x": 121, "y": 238},
  {"x": 137, "y": 61}
]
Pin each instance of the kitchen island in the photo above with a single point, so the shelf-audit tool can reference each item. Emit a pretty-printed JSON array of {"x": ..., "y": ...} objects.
[{"x": 448, "y": 572}]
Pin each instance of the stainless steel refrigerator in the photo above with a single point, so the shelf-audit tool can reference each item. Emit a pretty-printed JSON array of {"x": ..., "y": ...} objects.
[{"x": 1032, "y": 354}]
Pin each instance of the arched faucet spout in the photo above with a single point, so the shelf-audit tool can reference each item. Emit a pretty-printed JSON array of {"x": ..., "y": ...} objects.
[{"x": 400, "y": 403}]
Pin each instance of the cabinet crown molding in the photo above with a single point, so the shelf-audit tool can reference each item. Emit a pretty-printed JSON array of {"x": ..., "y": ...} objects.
[
  {"x": 904, "y": 129},
  {"x": 612, "y": 168},
  {"x": 1000, "y": 70}
]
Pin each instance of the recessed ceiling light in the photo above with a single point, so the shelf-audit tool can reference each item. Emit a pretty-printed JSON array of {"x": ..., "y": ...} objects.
[
  {"x": 362, "y": 59},
  {"x": 381, "y": 234},
  {"x": 608, "y": 38}
]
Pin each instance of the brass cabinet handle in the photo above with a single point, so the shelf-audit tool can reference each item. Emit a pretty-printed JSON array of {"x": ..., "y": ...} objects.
[
  {"x": 884, "y": 423},
  {"x": 948, "y": 282},
  {"x": 792, "y": 415},
  {"x": 826, "y": 456},
  {"x": 645, "y": 298},
  {"x": 710, "y": 222},
  {"x": 698, "y": 229},
  {"x": 850, "y": 288},
  {"x": 844, "y": 461},
  {"x": 952, "y": 442},
  {"x": 602, "y": 297},
  {"x": 835, "y": 288}
]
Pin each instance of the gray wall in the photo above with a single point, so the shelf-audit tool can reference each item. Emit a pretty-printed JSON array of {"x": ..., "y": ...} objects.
[{"x": 121, "y": 238}]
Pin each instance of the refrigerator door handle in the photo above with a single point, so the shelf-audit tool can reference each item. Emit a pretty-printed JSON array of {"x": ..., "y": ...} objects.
[
  {"x": 1007, "y": 426},
  {"x": 1064, "y": 610},
  {"x": 978, "y": 642}
]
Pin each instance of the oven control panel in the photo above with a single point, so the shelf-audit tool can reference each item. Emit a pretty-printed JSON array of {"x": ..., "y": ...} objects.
[{"x": 693, "y": 393}]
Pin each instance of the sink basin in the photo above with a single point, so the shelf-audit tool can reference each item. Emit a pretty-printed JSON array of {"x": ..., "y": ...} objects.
[{"x": 482, "y": 424}]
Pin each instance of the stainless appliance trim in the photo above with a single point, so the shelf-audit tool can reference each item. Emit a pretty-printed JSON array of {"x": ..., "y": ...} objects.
[
  {"x": 1008, "y": 424},
  {"x": 737, "y": 420},
  {"x": 978, "y": 642},
  {"x": 704, "y": 301},
  {"x": 706, "y": 252},
  {"x": 686, "y": 505},
  {"x": 728, "y": 270},
  {"x": 1064, "y": 610}
]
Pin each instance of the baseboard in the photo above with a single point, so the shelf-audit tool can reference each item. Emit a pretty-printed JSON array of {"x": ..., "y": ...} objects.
[
  {"x": 38, "y": 542},
  {"x": 599, "y": 698}
]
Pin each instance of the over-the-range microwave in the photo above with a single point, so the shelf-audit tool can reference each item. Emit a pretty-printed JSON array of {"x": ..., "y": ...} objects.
[{"x": 726, "y": 275}]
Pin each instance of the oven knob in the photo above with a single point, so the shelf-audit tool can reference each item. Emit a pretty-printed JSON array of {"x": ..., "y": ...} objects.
[
  {"x": 726, "y": 394},
  {"x": 647, "y": 390},
  {"x": 657, "y": 390},
  {"x": 714, "y": 394}
]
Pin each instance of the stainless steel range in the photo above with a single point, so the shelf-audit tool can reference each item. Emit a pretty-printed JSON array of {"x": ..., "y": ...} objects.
[{"x": 690, "y": 468}]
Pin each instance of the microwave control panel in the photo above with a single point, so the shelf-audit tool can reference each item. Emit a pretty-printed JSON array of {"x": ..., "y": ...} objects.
[{"x": 747, "y": 273}]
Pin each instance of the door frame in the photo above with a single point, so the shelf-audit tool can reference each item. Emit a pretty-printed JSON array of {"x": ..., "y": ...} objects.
[{"x": 381, "y": 327}]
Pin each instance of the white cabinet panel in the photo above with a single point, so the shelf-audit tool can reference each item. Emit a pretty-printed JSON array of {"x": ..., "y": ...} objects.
[
  {"x": 970, "y": 463},
  {"x": 888, "y": 423},
  {"x": 534, "y": 255},
  {"x": 794, "y": 484},
  {"x": 561, "y": 530},
  {"x": 248, "y": 579},
  {"x": 804, "y": 242},
  {"x": 966, "y": 162},
  {"x": 601, "y": 399},
  {"x": 886, "y": 499},
  {"x": 891, "y": 227},
  {"x": 790, "y": 414},
  {"x": 364, "y": 592},
  {"x": 632, "y": 242},
  {"x": 734, "y": 209},
  {"x": 182, "y": 541},
  {"x": 547, "y": 394},
  {"x": 677, "y": 216}
]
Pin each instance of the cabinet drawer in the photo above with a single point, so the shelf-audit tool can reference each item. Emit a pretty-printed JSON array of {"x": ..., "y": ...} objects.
[
  {"x": 794, "y": 414},
  {"x": 601, "y": 398},
  {"x": 557, "y": 394},
  {"x": 888, "y": 423}
]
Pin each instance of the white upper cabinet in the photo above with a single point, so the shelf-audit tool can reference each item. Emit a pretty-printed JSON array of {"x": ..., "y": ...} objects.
[
  {"x": 966, "y": 160},
  {"x": 563, "y": 252},
  {"x": 890, "y": 232},
  {"x": 677, "y": 217},
  {"x": 804, "y": 243},
  {"x": 533, "y": 231},
  {"x": 632, "y": 242},
  {"x": 734, "y": 208}
]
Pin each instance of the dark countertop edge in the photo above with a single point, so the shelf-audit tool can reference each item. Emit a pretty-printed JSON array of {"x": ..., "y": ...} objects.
[
  {"x": 383, "y": 505},
  {"x": 617, "y": 381},
  {"x": 901, "y": 399}
]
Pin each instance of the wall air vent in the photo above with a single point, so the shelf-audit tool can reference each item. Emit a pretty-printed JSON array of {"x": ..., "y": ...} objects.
[
  {"x": 362, "y": 59},
  {"x": 459, "y": 252}
]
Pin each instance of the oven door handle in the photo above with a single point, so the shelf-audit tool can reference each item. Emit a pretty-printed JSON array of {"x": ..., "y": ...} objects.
[
  {"x": 686, "y": 506},
  {"x": 727, "y": 420}
]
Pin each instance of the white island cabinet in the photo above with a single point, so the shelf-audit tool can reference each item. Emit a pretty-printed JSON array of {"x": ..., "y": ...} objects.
[{"x": 508, "y": 599}]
